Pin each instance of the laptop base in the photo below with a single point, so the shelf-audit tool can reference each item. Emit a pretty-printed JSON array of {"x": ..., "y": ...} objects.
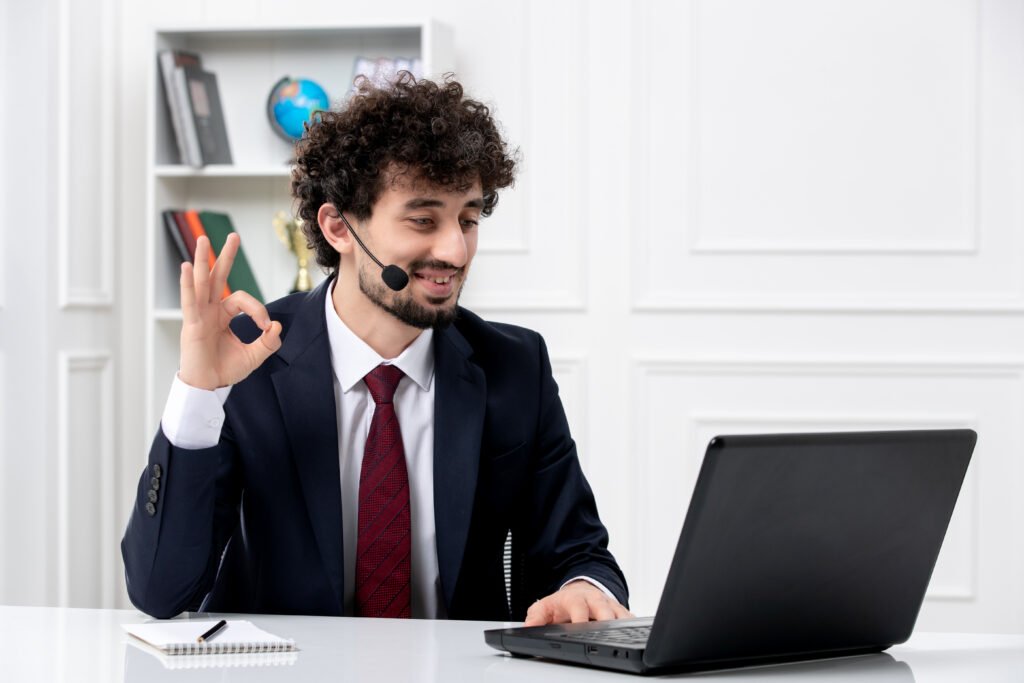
[{"x": 524, "y": 643}]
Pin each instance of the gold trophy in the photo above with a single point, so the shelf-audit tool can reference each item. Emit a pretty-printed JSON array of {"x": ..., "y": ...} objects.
[{"x": 289, "y": 231}]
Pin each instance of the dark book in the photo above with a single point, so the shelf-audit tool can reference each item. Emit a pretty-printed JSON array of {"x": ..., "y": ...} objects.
[
  {"x": 218, "y": 227},
  {"x": 186, "y": 234},
  {"x": 207, "y": 116},
  {"x": 179, "y": 242},
  {"x": 170, "y": 61}
]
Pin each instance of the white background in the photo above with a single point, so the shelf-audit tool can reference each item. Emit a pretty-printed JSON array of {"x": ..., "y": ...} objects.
[{"x": 732, "y": 216}]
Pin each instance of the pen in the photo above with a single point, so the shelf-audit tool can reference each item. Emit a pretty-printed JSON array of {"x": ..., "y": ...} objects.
[{"x": 212, "y": 632}]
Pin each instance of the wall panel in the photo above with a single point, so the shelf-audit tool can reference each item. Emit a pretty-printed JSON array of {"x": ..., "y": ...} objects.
[
  {"x": 86, "y": 539},
  {"x": 793, "y": 169},
  {"x": 5, "y": 128},
  {"x": 86, "y": 109},
  {"x": 3, "y": 466}
]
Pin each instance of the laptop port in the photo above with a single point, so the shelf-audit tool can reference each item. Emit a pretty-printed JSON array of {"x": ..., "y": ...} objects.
[
  {"x": 591, "y": 649},
  {"x": 615, "y": 653}
]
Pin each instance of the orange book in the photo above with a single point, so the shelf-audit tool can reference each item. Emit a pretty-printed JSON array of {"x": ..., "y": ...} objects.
[{"x": 196, "y": 226}]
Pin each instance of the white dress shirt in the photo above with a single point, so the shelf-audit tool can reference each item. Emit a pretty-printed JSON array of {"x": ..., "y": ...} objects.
[{"x": 193, "y": 419}]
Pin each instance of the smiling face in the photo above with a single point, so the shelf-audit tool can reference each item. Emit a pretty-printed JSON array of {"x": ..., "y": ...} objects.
[{"x": 429, "y": 232}]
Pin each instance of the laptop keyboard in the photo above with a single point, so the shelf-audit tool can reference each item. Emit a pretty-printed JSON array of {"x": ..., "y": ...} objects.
[{"x": 630, "y": 635}]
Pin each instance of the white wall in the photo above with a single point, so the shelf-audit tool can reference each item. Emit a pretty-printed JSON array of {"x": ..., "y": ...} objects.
[
  {"x": 732, "y": 216},
  {"x": 57, "y": 305}
]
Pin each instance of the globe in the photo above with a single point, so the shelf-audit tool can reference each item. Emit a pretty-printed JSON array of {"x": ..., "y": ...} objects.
[{"x": 293, "y": 102}]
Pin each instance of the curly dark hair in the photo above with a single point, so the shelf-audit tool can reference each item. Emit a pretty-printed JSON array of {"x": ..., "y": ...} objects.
[{"x": 427, "y": 130}]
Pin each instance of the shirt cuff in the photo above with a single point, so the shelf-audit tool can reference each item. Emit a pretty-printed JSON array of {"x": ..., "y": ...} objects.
[
  {"x": 193, "y": 417},
  {"x": 592, "y": 582}
]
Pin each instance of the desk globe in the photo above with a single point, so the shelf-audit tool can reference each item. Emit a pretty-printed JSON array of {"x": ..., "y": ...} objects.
[{"x": 293, "y": 102}]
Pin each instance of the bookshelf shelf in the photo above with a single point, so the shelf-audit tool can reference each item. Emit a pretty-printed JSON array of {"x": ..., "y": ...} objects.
[
  {"x": 222, "y": 171},
  {"x": 248, "y": 60},
  {"x": 167, "y": 315}
]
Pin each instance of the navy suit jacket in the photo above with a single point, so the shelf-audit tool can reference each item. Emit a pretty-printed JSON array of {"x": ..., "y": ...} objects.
[{"x": 254, "y": 523}]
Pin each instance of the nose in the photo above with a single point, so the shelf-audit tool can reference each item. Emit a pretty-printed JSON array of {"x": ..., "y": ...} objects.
[{"x": 450, "y": 245}]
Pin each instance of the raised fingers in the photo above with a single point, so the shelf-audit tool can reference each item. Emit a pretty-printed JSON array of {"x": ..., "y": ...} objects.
[
  {"x": 223, "y": 264},
  {"x": 188, "y": 294},
  {"x": 201, "y": 270}
]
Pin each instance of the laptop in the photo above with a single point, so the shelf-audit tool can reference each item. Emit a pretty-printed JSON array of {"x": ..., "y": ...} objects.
[{"x": 794, "y": 547}]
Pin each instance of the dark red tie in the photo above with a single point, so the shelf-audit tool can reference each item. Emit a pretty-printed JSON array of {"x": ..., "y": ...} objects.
[{"x": 384, "y": 543}]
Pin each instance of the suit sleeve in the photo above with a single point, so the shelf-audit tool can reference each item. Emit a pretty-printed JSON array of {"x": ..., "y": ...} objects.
[
  {"x": 186, "y": 509},
  {"x": 565, "y": 537}
]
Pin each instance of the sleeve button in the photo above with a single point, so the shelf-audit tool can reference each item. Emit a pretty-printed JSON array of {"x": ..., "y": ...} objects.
[{"x": 150, "y": 509}]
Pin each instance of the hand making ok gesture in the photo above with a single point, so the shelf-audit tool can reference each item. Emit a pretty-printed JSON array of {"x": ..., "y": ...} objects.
[{"x": 211, "y": 355}]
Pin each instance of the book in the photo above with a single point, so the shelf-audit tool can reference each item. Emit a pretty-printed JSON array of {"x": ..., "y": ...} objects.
[
  {"x": 177, "y": 637},
  {"x": 190, "y": 136},
  {"x": 176, "y": 237},
  {"x": 169, "y": 61},
  {"x": 196, "y": 226},
  {"x": 218, "y": 226},
  {"x": 207, "y": 116},
  {"x": 384, "y": 70},
  {"x": 186, "y": 234}
]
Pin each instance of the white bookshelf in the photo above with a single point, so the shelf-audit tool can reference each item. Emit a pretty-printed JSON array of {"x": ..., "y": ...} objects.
[{"x": 248, "y": 61}]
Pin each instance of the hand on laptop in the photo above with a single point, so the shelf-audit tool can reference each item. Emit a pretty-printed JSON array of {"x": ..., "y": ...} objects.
[{"x": 576, "y": 602}]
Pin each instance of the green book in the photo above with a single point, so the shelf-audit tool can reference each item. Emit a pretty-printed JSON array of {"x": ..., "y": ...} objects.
[{"x": 218, "y": 227}]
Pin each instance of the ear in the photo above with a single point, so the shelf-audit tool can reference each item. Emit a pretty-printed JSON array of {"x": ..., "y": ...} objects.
[{"x": 334, "y": 229}]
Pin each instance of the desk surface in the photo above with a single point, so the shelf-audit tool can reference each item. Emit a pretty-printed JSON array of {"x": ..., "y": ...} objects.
[{"x": 53, "y": 644}]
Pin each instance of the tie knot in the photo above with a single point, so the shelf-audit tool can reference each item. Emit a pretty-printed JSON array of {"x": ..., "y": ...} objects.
[{"x": 382, "y": 382}]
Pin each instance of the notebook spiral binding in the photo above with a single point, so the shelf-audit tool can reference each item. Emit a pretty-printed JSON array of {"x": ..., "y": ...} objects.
[{"x": 216, "y": 648}]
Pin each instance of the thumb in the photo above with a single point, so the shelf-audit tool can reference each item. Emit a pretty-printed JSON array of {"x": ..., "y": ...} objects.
[{"x": 269, "y": 342}]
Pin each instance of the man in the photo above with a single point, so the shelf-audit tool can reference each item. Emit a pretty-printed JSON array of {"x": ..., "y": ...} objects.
[{"x": 364, "y": 449}]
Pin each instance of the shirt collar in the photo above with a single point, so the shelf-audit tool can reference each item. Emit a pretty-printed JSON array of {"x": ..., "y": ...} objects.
[{"x": 352, "y": 358}]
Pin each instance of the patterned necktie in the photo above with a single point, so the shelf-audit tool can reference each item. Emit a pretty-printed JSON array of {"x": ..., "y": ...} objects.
[{"x": 384, "y": 542}]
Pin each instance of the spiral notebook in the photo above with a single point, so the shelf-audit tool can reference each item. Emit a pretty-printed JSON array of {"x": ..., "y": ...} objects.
[
  {"x": 178, "y": 637},
  {"x": 141, "y": 660}
]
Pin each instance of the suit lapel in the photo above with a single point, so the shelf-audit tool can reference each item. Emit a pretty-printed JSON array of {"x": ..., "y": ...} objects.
[
  {"x": 459, "y": 404},
  {"x": 305, "y": 392}
]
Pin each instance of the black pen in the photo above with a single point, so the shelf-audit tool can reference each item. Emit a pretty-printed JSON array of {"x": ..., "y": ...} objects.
[{"x": 212, "y": 632}]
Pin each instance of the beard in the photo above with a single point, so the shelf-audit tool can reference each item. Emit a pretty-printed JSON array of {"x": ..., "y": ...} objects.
[{"x": 404, "y": 307}]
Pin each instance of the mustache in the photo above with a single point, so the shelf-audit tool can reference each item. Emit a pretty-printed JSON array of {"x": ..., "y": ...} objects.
[{"x": 438, "y": 265}]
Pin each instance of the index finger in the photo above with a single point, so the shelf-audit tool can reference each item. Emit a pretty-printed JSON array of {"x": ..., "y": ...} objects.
[
  {"x": 241, "y": 301},
  {"x": 540, "y": 613}
]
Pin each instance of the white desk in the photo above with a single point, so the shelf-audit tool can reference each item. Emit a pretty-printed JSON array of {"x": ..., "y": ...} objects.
[{"x": 51, "y": 644}]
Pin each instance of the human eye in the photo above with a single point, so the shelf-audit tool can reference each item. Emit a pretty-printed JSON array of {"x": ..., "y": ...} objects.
[
  {"x": 469, "y": 223},
  {"x": 421, "y": 221}
]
